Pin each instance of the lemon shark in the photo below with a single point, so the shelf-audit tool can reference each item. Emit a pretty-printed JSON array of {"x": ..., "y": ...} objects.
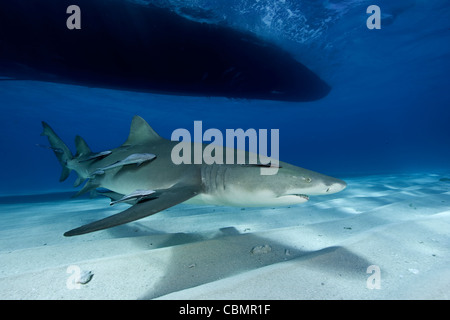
[{"x": 141, "y": 172}]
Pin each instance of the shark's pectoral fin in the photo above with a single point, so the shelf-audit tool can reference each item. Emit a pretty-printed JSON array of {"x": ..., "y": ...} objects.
[
  {"x": 89, "y": 186},
  {"x": 164, "y": 199}
]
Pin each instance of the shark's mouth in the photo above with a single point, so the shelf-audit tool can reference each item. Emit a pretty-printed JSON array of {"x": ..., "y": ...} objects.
[
  {"x": 302, "y": 196},
  {"x": 292, "y": 198}
]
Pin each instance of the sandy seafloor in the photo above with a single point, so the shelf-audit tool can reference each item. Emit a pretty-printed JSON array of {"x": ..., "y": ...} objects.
[{"x": 318, "y": 250}]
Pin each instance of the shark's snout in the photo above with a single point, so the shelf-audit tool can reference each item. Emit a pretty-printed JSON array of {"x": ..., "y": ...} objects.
[
  {"x": 317, "y": 185},
  {"x": 336, "y": 186}
]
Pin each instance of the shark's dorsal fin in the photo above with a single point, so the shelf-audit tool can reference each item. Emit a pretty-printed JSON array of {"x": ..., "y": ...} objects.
[
  {"x": 141, "y": 132},
  {"x": 82, "y": 147}
]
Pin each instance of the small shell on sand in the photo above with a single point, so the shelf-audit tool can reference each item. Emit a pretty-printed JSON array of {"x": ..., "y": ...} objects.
[
  {"x": 414, "y": 271},
  {"x": 261, "y": 249},
  {"x": 85, "y": 277}
]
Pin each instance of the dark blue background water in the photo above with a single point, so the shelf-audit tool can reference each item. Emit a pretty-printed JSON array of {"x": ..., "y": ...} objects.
[{"x": 388, "y": 110}]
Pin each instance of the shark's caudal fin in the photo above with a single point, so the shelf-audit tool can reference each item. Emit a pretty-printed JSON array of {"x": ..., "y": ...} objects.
[
  {"x": 64, "y": 155},
  {"x": 60, "y": 149}
]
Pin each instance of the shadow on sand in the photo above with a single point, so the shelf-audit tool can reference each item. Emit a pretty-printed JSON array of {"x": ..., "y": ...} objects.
[{"x": 197, "y": 259}]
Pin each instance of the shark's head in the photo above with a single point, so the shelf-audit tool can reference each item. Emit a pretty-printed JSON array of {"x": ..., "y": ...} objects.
[
  {"x": 297, "y": 184},
  {"x": 290, "y": 184}
]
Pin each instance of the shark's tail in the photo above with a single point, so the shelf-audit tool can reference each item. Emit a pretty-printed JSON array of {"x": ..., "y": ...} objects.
[{"x": 60, "y": 149}]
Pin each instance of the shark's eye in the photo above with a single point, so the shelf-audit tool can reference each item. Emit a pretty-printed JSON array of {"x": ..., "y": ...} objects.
[{"x": 307, "y": 179}]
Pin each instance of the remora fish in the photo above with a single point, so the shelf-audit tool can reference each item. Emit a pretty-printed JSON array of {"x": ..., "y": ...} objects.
[{"x": 136, "y": 158}]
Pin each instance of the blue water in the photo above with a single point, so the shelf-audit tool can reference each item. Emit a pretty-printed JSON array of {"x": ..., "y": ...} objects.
[{"x": 388, "y": 110}]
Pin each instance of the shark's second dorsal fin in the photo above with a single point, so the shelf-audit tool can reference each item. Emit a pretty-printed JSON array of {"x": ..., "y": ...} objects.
[
  {"x": 82, "y": 147},
  {"x": 141, "y": 132}
]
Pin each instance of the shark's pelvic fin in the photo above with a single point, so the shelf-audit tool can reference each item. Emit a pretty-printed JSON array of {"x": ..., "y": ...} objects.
[
  {"x": 62, "y": 152},
  {"x": 89, "y": 186},
  {"x": 165, "y": 199},
  {"x": 78, "y": 182},
  {"x": 141, "y": 132},
  {"x": 113, "y": 196}
]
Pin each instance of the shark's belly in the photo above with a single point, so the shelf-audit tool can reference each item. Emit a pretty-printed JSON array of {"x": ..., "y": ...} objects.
[{"x": 242, "y": 198}]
